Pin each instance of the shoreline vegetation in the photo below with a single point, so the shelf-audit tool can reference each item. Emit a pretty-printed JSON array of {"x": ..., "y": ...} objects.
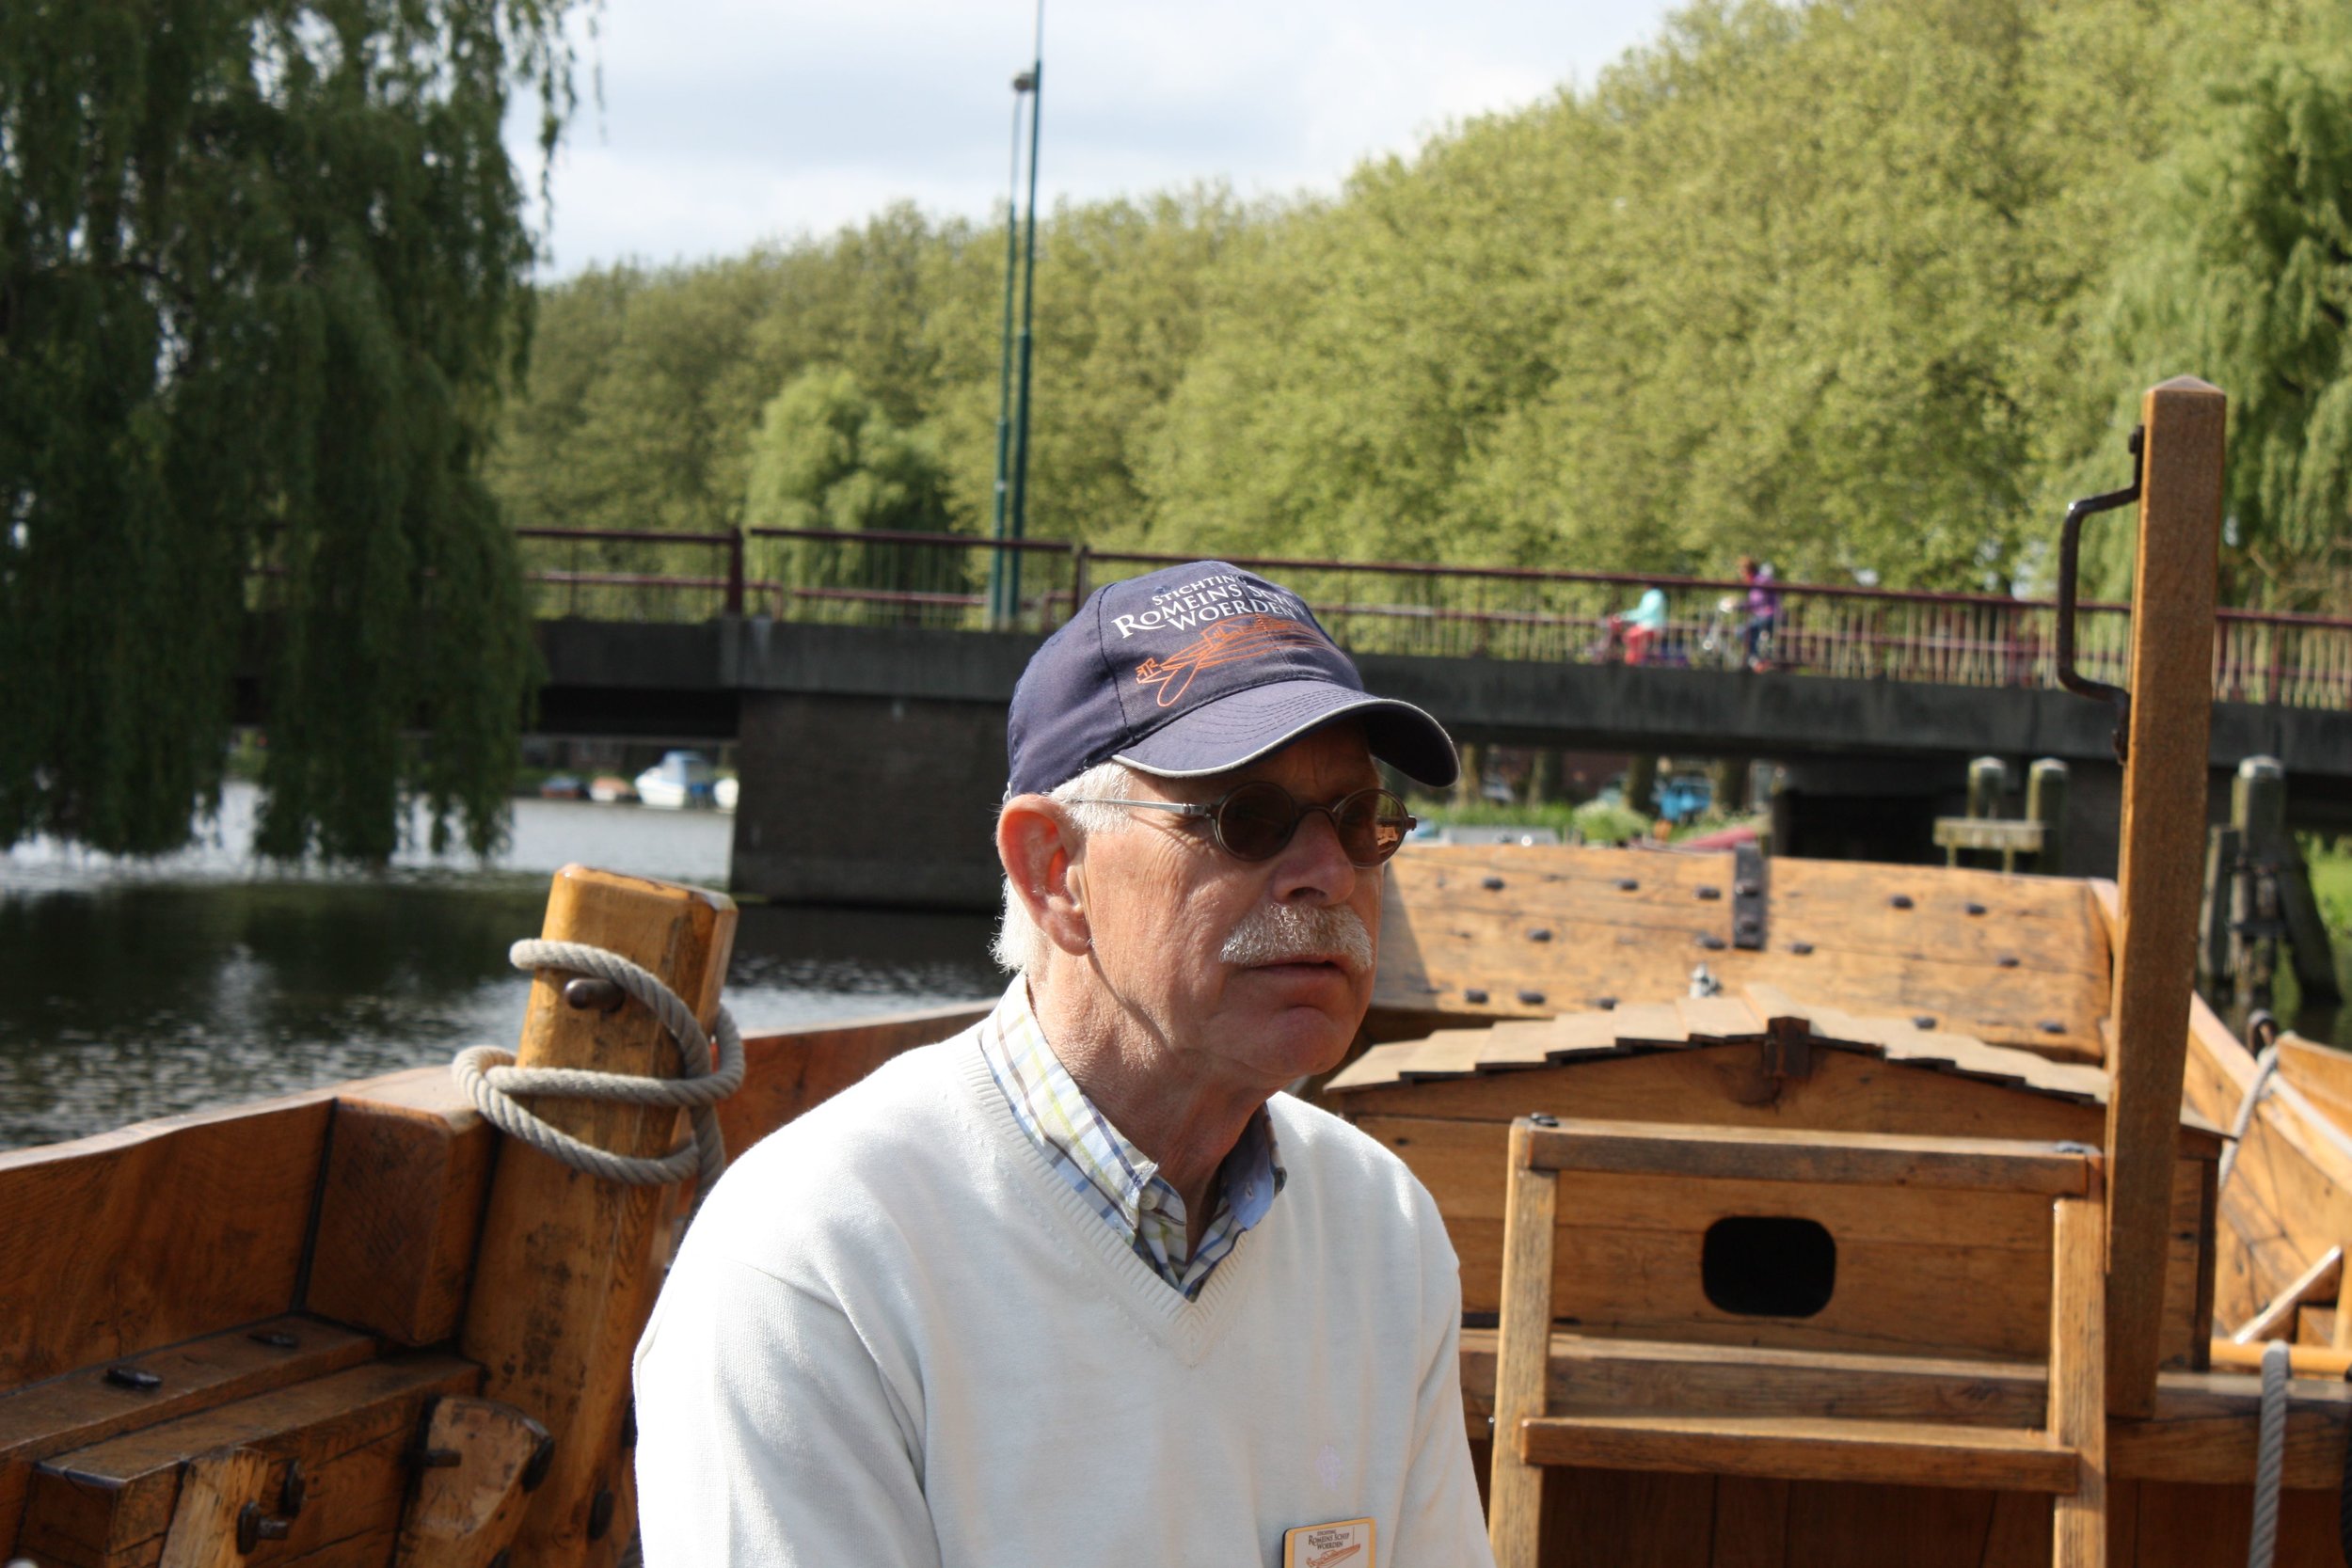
[{"x": 1859, "y": 289}]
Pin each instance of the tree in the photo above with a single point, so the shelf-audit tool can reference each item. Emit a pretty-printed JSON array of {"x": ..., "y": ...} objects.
[
  {"x": 828, "y": 456},
  {"x": 2246, "y": 281},
  {"x": 261, "y": 271}
]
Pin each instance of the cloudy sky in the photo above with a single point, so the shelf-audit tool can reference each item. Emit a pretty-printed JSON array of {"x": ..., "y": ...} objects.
[{"x": 724, "y": 122}]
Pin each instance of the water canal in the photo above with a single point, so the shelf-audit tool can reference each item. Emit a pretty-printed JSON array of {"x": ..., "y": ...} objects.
[{"x": 130, "y": 991}]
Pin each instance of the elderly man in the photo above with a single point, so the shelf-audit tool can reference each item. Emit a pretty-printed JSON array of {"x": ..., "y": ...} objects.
[{"x": 1082, "y": 1286}]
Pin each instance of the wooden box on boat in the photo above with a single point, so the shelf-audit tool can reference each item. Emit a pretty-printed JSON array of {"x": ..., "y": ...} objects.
[
  {"x": 1917, "y": 1270},
  {"x": 1942, "y": 1311}
]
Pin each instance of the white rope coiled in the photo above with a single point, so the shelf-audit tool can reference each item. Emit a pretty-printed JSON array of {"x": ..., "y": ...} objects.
[{"x": 490, "y": 1078}]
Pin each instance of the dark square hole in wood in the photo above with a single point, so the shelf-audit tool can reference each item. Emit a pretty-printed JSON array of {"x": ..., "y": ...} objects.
[{"x": 1768, "y": 1266}]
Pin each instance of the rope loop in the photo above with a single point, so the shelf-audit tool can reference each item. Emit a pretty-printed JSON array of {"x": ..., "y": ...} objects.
[{"x": 491, "y": 1079}]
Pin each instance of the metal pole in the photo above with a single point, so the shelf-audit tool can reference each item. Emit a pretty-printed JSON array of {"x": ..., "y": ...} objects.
[
  {"x": 996, "y": 617},
  {"x": 1028, "y": 302}
]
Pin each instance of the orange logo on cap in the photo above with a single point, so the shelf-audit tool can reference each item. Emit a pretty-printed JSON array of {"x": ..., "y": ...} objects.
[{"x": 1222, "y": 642}]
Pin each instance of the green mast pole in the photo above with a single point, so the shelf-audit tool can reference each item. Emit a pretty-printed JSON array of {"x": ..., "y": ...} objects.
[
  {"x": 998, "y": 616},
  {"x": 1028, "y": 301}
]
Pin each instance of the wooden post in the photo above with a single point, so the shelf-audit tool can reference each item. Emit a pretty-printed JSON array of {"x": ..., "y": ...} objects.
[
  {"x": 1988, "y": 781},
  {"x": 2046, "y": 803},
  {"x": 1515, "y": 1489},
  {"x": 2163, "y": 834},
  {"x": 2077, "y": 1417},
  {"x": 1543, "y": 775},
  {"x": 1641, "y": 782},
  {"x": 567, "y": 1270},
  {"x": 2216, "y": 948},
  {"x": 1987, "y": 784},
  {"x": 2257, "y": 802},
  {"x": 2258, "y": 814},
  {"x": 1471, "y": 780}
]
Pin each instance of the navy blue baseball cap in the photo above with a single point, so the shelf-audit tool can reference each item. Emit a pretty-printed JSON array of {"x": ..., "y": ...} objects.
[{"x": 1195, "y": 669}]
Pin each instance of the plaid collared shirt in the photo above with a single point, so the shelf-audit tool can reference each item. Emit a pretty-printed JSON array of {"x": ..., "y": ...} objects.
[{"x": 1115, "y": 1177}]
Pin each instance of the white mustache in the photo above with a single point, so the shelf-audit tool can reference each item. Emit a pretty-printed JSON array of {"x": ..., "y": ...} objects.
[{"x": 1288, "y": 933}]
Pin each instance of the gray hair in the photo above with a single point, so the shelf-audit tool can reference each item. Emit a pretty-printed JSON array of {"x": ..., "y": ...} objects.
[{"x": 1019, "y": 947}]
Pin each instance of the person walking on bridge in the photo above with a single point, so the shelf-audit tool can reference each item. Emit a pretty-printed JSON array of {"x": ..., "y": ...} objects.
[{"x": 1086, "y": 1284}]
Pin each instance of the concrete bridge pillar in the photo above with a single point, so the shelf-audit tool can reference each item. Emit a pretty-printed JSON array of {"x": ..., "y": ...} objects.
[{"x": 869, "y": 799}]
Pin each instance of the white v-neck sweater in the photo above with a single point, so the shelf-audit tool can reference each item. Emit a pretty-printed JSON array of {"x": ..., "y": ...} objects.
[{"x": 895, "y": 1337}]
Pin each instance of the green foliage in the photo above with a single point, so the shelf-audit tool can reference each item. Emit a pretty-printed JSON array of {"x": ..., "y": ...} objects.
[
  {"x": 1850, "y": 285},
  {"x": 2248, "y": 277},
  {"x": 2331, "y": 885},
  {"x": 260, "y": 276},
  {"x": 1601, "y": 822},
  {"x": 826, "y": 455}
]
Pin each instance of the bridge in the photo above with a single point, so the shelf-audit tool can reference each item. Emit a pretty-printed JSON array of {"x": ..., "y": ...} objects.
[{"x": 866, "y": 687}]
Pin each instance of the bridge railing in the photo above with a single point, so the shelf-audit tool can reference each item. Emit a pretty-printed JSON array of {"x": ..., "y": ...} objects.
[
  {"x": 590, "y": 574},
  {"x": 942, "y": 581}
]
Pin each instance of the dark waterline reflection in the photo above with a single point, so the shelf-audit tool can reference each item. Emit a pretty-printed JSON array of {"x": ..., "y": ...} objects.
[{"x": 129, "y": 999}]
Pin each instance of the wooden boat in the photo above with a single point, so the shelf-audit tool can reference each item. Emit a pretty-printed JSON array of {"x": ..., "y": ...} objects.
[{"x": 1909, "y": 1242}]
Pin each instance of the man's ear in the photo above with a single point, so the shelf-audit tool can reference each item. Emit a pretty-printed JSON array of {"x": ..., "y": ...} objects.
[{"x": 1037, "y": 844}]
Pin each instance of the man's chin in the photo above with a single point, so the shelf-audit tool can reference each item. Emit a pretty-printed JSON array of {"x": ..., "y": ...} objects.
[{"x": 1310, "y": 1013}]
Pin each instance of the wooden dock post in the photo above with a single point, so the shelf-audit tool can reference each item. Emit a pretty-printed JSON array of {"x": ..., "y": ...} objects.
[
  {"x": 2046, "y": 784},
  {"x": 2258, "y": 816},
  {"x": 1987, "y": 780},
  {"x": 2162, "y": 836},
  {"x": 567, "y": 1270}
]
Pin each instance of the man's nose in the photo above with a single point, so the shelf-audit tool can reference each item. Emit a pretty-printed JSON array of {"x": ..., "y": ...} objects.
[{"x": 1313, "y": 867}]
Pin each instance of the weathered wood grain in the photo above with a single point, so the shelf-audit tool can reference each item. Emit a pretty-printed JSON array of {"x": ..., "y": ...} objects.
[
  {"x": 2203, "y": 1431},
  {"x": 115, "y": 1244},
  {"x": 1446, "y": 934},
  {"x": 83, "y": 1407},
  {"x": 1726, "y": 1085},
  {"x": 1515, "y": 1492},
  {"x": 568, "y": 1264},
  {"x": 2162, "y": 837},
  {"x": 2077, "y": 1420},
  {"x": 109, "y": 1505},
  {"x": 466, "y": 1514},
  {"x": 1797, "y": 1447},
  {"x": 400, "y": 1206},
  {"x": 2276, "y": 1321},
  {"x": 217, "y": 1488},
  {"x": 1590, "y": 1375},
  {"x": 788, "y": 1074},
  {"x": 1671, "y": 1150}
]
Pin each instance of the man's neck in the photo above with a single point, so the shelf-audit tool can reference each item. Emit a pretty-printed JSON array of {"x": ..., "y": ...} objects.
[{"x": 1148, "y": 1087}]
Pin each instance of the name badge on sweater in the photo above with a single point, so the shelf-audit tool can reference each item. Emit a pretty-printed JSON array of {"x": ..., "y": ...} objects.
[{"x": 1346, "y": 1544}]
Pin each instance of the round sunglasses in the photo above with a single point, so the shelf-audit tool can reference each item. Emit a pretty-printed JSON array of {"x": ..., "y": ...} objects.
[{"x": 1256, "y": 821}]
